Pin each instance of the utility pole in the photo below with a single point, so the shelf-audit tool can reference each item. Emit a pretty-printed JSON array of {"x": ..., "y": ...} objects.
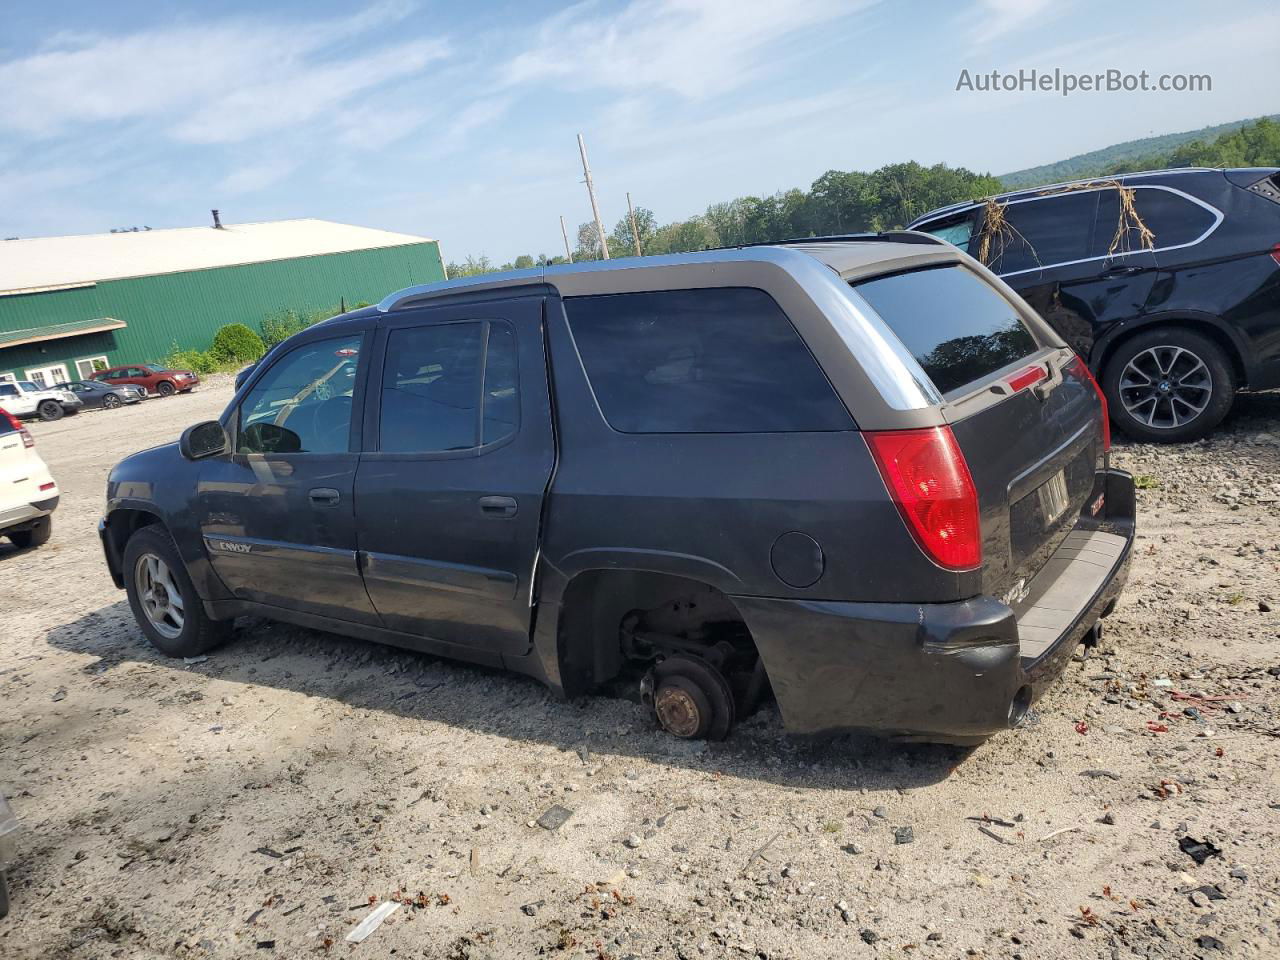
[
  {"x": 635, "y": 234},
  {"x": 591, "y": 192},
  {"x": 565, "y": 233}
]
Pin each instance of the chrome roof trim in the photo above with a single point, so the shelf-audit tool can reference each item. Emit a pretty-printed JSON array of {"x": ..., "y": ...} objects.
[{"x": 1032, "y": 193}]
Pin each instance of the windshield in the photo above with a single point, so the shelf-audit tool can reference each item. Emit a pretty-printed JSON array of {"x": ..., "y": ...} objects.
[
  {"x": 154, "y": 367},
  {"x": 29, "y": 385}
]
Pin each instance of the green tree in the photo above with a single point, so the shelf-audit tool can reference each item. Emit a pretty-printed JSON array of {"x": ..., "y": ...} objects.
[
  {"x": 588, "y": 242},
  {"x": 471, "y": 267},
  {"x": 236, "y": 343},
  {"x": 621, "y": 243}
]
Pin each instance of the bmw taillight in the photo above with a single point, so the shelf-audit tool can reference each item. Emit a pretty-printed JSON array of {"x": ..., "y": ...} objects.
[
  {"x": 1080, "y": 370},
  {"x": 27, "y": 439},
  {"x": 929, "y": 481}
]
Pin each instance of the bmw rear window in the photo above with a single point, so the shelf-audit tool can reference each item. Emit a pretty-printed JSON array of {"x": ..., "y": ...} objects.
[{"x": 958, "y": 327}]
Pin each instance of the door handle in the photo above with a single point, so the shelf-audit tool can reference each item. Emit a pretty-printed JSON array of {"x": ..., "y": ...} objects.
[
  {"x": 499, "y": 508},
  {"x": 324, "y": 496},
  {"x": 1122, "y": 271}
]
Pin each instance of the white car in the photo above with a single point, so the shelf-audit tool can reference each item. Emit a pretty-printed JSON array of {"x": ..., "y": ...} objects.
[
  {"x": 26, "y": 398},
  {"x": 28, "y": 493}
]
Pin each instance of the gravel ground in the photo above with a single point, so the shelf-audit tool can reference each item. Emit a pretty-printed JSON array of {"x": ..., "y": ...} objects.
[{"x": 259, "y": 802}]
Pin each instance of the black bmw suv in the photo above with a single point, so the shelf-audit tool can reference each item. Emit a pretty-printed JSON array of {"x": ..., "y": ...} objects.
[{"x": 1168, "y": 282}]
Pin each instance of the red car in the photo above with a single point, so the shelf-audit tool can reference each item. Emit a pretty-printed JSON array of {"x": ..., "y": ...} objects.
[{"x": 150, "y": 377}]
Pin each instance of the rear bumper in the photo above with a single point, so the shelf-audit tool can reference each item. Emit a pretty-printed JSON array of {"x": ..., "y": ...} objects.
[
  {"x": 24, "y": 515},
  {"x": 947, "y": 672}
]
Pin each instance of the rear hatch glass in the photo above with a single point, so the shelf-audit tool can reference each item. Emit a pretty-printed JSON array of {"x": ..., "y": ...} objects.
[
  {"x": 1032, "y": 454},
  {"x": 957, "y": 327}
]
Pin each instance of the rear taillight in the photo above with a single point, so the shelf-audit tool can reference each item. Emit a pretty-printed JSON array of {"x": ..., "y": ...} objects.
[
  {"x": 47, "y": 486},
  {"x": 925, "y": 473},
  {"x": 1275, "y": 254},
  {"x": 27, "y": 440},
  {"x": 1080, "y": 370}
]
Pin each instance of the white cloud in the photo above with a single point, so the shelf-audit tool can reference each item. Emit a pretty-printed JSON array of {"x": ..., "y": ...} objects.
[
  {"x": 998, "y": 18},
  {"x": 453, "y": 134},
  {"x": 694, "y": 48},
  {"x": 217, "y": 81},
  {"x": 257, "y": 175}
]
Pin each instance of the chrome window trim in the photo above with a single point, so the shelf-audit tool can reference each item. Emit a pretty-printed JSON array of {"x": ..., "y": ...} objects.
[
  {"x": 952, "y": 208},
  {"x": 1218, "y": 215}
]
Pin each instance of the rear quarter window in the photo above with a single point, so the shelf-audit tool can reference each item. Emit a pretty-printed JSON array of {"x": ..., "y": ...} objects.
[
  {"x": 957, "y": 326},
  {"x": 1172, "y": 219},
  {"x": 720, "y": 360}
]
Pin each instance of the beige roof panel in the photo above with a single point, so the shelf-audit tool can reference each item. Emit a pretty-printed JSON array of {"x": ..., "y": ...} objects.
[{"x": 44, "y": 263}]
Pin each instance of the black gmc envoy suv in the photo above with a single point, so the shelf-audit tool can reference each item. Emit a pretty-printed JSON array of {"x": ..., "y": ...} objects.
[{"x": 858, "y": 472}]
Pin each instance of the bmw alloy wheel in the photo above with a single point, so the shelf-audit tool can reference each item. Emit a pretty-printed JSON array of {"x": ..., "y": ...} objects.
[{"x": 1165, "y": 386}]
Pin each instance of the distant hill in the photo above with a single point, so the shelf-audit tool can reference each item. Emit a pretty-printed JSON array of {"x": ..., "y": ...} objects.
[{"x": 1099, "y": 162}]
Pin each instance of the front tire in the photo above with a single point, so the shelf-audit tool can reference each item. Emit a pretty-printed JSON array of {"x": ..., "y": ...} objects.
[
  {"x": 37, "y": 535},
  {"x": 1168, "y": 385},
  {"x": 164, "y": 600},
  {"x": 50, "y": 410},
  {"x": 166, "y": 389},
  {"x": 111, "y": 401}
]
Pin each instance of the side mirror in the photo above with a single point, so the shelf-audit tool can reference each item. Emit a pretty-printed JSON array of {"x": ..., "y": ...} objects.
[{"x": 206, "y": 439}]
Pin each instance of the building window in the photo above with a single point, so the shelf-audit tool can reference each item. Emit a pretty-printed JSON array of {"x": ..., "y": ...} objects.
[
  {"x": 8, "y": 377},
  {"x": 48, "y": 376},
  {"x": 87, "y": 367}
]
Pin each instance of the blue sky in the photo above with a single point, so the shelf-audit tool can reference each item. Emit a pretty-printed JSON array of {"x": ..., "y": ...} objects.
[{"x": 458, "y": 120}]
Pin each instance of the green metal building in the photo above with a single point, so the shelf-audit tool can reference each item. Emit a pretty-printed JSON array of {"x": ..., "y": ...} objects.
[{"x": 69, "y": 305}]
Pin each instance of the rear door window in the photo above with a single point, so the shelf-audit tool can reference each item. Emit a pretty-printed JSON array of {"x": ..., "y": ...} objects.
[
  {"x": 957, "y": 326},
  {"x": 433, "y": 384},
  {"x": 431, "y": 388},
  {"x": 1040, "y": 233},
  {"x": 721, "y": 360}
]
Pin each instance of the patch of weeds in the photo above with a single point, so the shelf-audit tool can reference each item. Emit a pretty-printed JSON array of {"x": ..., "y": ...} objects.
[{"x": 1144, "y": 481}]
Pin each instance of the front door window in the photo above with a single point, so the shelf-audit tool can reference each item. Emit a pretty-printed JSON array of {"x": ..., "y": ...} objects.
[{"x": 303, "y": 403}]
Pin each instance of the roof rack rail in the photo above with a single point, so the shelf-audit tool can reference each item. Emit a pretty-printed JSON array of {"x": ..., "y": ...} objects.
[{"x": 891, "y": 236}]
